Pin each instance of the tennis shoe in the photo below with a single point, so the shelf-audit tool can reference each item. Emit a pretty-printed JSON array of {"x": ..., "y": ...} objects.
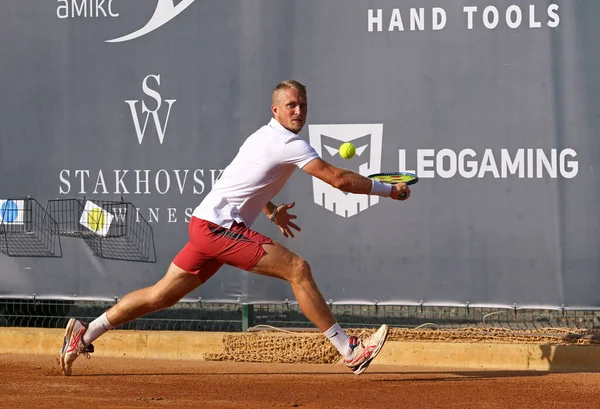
[
  {"x": 363, "y": 352},
  {"x": 73, "y": 345}
]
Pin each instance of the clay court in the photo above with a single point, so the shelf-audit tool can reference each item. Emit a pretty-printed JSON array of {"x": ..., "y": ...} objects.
[{"x": 29, "y": 381}]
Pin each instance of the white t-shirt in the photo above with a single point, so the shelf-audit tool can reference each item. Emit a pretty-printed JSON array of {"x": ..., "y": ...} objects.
[{"x": 265, "y": 161}]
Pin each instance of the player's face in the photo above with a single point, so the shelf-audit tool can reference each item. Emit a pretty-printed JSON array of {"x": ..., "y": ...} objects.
[{"x": 290, "y": 109}]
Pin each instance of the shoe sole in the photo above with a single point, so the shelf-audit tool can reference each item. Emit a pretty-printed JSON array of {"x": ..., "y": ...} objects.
[
  {"x": 68, "y": 332},
  {"x": 366, "y": 364}
]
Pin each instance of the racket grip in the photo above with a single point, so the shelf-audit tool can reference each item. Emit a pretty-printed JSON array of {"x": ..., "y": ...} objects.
[{"x": 402, "y": 195}]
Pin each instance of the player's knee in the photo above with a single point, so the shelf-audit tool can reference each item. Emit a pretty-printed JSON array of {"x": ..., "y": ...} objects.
[{"x": 300, "y": 270}]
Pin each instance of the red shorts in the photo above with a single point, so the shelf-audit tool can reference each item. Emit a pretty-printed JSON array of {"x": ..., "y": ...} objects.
[{"x": 210, "y": 246}]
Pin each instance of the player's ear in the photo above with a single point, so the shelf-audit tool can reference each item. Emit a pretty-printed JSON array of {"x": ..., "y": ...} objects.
[{"x": 274, "y": 110}]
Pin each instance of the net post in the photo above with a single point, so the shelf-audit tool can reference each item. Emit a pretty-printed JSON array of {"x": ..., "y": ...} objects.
[{"x": 247, "y": 316}]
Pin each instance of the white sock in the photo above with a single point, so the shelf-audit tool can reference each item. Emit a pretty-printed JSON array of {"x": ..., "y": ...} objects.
[
  {"x": 96, "y": 328},
  {"x": 339, "y": 339}
]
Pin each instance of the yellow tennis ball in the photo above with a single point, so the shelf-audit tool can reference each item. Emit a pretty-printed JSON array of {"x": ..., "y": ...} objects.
[{"x": 347, "y": 150}]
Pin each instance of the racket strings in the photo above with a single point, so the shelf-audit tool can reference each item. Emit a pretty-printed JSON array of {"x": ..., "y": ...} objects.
[{"x": 394, "y": 178}]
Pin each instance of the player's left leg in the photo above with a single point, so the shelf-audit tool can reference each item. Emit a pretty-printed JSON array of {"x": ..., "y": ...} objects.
[
  {"x": 278, "y": 261},
  {"x": 251, "y": 251}
]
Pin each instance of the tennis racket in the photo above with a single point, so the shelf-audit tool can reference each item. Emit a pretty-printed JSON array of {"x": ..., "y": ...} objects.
[{"x": 396, "y": 177}]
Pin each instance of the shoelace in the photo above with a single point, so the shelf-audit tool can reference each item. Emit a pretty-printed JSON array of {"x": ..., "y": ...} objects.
[{"x": 357, "y": 350}]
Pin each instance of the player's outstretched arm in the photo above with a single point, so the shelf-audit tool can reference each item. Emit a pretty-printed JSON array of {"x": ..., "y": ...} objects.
[{"x": 352, "y": 182}]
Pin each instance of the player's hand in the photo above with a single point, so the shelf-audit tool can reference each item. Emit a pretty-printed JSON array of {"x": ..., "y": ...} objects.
[
  {"x": 284, "y": 220},
  {"x": 400, "y": 191}
]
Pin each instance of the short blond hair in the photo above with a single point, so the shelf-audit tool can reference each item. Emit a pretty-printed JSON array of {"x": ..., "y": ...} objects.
[{"x": 287, "y": 84}]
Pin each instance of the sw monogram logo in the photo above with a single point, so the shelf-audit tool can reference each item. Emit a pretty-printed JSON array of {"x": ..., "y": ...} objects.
[
  {"x": 327, "y": 139},
  {"x": 166, "y": 10},
  {"x": 160, "y": 128}
]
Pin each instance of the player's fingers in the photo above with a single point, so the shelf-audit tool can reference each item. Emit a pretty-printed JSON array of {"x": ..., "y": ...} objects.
[
  {"x": 290, "y": 205},
  {"x": 292, "y": 216},
  {"x": 286, "y": 231},
  {"x": 283, "y": 231},
  {"x": 294, "y": 226}
]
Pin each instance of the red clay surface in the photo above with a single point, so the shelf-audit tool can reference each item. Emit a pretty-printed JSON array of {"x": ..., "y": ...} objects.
[{"x": 28, "y": 381}]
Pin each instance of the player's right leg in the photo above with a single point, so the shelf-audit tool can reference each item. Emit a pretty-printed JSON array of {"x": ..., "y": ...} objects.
[
  {"x": 189, "y": 269},
  {"x": 176, "y": 283},
  {"x": 166, "y": 292}
]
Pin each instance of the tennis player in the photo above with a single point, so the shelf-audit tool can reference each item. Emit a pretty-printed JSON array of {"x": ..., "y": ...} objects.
[{"x": 220, "y": 233}]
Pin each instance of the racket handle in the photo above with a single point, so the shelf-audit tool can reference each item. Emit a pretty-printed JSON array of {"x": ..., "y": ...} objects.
[{"x": 403, "y": 195}]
